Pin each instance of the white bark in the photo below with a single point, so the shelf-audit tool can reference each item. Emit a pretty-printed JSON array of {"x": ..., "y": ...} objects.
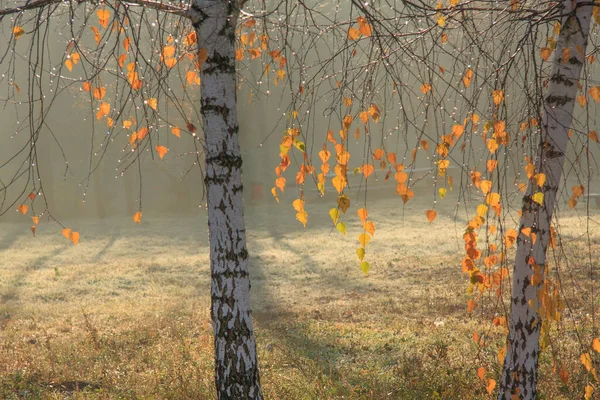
[
  {"x": 236, "y": 363},
  {"x": 519, "y": 376}
]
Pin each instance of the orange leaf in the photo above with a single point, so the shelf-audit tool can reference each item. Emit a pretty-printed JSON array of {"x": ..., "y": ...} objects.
[
  {"x": 99, "y": 93},
  {"x": 370, "y": 227},
  {"x": 161, "y": 150},
  {"x": 168, "y": 51},
  {"x": 97, "y": 36},
  {"x": 490, "y": 386},
  {"x": 364, "y": 26},
  {"x": 87, "y": 86},
  {"x": 137, "y": 217},
  {"x": 103, "y": 16},
  {"x": 141, "y": 134},
  {"x": 18, "y": 31},
  {"x": 431, "y": 214},
  {"x": 425, "y": 88},
  {"x": 74, "y": 237},
  {"x": 498, "y": 97},
  {"x": 595, "y": 93},
  {"x": 353, "y": 33},
  {"x": 69, "y": 64},
  {"x": 593, "y": 136},
  {"x": 481, "y": 373},
  {"x": 362, "y": 214},
  {"x": 367, "y": 170},
  {"x": 104, "y": 108},
  {"x": 471, "y": 306},
  {"x": 564, "y": 375},
  {"x": 126, "y": 43},
  {"x": 176, "y": 131},
  {"x": 66, "y": 232},
  {"x": 280, "y": 183},
  {"x": 23, "y": 208},
  {"x": 545, "y": 53},
  {"x": 467, "y": 77}
]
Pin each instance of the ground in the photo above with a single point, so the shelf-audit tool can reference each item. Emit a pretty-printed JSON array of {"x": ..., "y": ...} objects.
[{"x": 125, "y": 314}]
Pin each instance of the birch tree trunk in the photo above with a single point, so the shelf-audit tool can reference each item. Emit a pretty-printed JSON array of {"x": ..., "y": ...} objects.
[
  {"x": 519, "y": 375},
  {"x": 236, "y": 362}
]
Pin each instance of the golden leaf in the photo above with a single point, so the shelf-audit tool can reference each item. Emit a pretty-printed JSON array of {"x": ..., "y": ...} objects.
[
  {"x": 364, "y": 239},
  {"x": 153, "y": 103},
  {"x": 18, "y": 31}
]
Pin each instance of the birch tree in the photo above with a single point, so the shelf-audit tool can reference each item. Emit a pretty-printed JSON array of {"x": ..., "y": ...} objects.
[{"x": 520, "y": 371}]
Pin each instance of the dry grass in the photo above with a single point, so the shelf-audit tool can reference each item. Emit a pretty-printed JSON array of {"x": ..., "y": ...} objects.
[{"x": 124, "y": 315}]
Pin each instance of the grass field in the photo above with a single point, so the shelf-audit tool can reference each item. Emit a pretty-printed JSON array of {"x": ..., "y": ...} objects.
[{"x": 124, "y": 315}]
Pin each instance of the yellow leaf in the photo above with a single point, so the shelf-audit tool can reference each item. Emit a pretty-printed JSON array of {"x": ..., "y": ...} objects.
[
  {"x": 485, "y": 186},
  {"x": 341, "y": 227},
  {"x": 302, "y": 216},
  {"x": 18, "y": 31},
  {"x": 431, "y": 214},
  {"x": 339, "y": 183},
  {"x": 441, "y": 21},
  {"x": 334, "y": 213},
  {"x": 74, "y": 237},
  {"x": 538, "y": 198},
  {"x": 595, "y": 342},
  {"x": 364, "y": 267},
  {"x": 23, "y": 208},
  {"x": 589, "y": 390},
  {"x": 360, "y": 252},
  {"x": 482, "y": 210},
  {"x": 501, "y": 354},
  {"x": 161, "y": 150},
  {"x": 153, "y": 103},
  {"x": 492, "y": 199},
  {"x": 298, "y": 205},
  {"x": 492, "y": 145},
  {"x": 442, "y": 192},
  {"x": 586, "y": 360},
  {"x": 364, "y": 239},
  {"x": 137, "y": 217}
]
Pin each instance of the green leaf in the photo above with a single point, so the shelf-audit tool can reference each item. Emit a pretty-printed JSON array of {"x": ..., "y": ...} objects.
[
  {"x": 364, "y": 266},
  {"x": 299, "y": 145},
  {"x": 334, "y": 213},
  {"x": 360, "y": 252},
  {"x": 341, "y": 227}
]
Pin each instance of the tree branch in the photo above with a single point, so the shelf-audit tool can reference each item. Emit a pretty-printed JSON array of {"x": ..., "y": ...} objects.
[{"x": 157, "y": 5}]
